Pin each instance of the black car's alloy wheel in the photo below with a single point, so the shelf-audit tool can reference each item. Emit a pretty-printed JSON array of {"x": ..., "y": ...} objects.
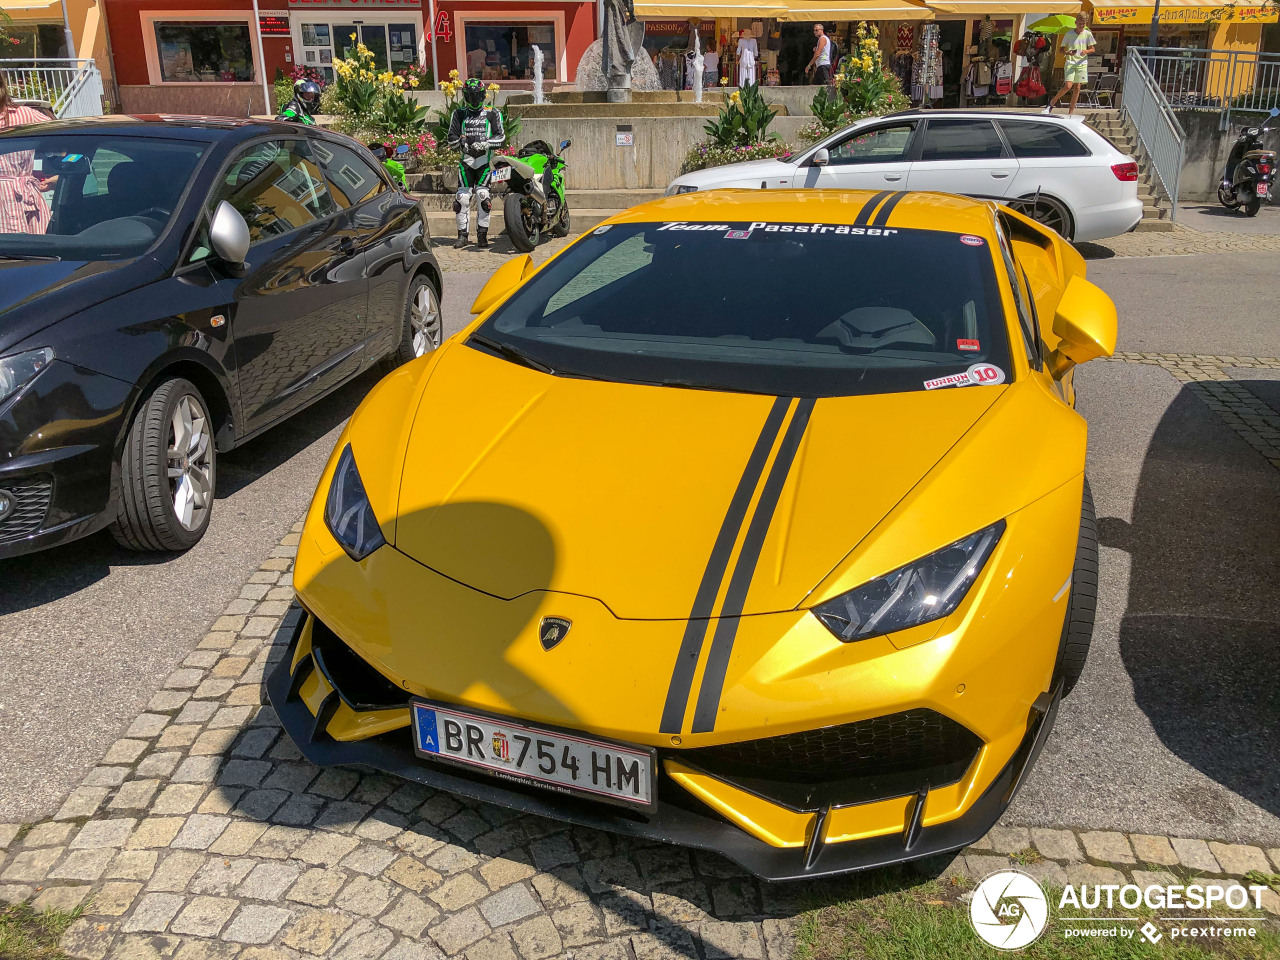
[
  {"x": 167, "y": 471},
  {"x": 422, "y": 328}
]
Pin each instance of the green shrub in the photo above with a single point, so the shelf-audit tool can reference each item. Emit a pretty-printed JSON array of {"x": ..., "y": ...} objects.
[{"x": 744, "y": 119}]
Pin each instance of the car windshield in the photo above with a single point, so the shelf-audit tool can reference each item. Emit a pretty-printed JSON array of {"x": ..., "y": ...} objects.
[
  {"x": 84, "y": 197},
  {"x": 788, "y": 309}
]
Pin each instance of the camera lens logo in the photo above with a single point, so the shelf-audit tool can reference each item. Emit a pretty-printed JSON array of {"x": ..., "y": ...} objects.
[{"x": 1009, "y": 910}]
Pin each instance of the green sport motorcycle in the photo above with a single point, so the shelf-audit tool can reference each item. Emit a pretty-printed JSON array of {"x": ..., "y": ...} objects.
[{"x": 535, "y": 203}]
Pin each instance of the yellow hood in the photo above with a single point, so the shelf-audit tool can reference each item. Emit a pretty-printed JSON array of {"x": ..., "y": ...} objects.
[{"x": 515, "y": 481}]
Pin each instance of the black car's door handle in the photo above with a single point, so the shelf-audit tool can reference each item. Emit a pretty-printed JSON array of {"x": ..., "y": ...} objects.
[{"x": 347, "y": 245}]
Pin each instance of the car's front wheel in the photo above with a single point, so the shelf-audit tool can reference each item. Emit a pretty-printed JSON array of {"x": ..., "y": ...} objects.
[
  {"x": 167, "y": 471},
  {"x": 421, "y": 328},
  {"x": 1082, "y": 604}
]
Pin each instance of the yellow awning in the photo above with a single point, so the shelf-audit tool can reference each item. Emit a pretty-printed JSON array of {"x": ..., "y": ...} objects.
[
  {"x": 855, "y": 10},
  {"x": 705, "y": 9},
  {"x": 1181, "y": 11},
  {"x": 977, "y": 8},
  {"x": 13, "y": 6}
]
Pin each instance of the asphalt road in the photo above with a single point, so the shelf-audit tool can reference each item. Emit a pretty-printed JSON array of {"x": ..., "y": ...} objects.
[{"x": 1172, "y": 730}]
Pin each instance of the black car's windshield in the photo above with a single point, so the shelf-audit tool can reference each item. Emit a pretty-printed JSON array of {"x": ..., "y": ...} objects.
[
  {"x": 780, "y": 308},
  {"x": 82, "y": 197}
]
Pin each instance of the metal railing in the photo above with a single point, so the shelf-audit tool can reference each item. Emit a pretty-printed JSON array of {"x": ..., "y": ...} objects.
[
  {"x": 1162, "y": 136},
  {"x": 72, "y": 87},
  {"x": 1225, "y": 81}
]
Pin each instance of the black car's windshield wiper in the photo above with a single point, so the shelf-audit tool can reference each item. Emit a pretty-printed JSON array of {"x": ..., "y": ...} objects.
[
  {"x": 508, "y": 352},
  {"x": 30, "y": 256}
]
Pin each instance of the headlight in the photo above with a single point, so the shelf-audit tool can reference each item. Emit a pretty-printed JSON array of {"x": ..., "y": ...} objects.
[
  {"x": 680, "y": 188},
  {"x": 928, "y": 589},
  {"x": 20, "y": 369},
  {"x": 347, "y": 512}
]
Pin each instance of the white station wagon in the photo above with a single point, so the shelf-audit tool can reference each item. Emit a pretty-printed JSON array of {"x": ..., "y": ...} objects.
[{"x": 1053, "y": 168}]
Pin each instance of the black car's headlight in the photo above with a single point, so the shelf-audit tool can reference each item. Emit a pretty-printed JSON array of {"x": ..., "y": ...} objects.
[
  {"x": 347, "y": 512},
  {"x": 928, "y": 589},
  {"x": 20, "y": 369}
]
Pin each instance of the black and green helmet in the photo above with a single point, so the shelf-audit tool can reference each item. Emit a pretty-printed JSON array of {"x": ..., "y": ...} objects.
[{"x": 473, "y": 94}]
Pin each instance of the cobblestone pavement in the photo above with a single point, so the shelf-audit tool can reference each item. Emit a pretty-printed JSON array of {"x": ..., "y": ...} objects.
[
  {"x": 474, "y": 260},
  {"x": 1182, "y": 241},
  {"x": 204, "y": 835}
]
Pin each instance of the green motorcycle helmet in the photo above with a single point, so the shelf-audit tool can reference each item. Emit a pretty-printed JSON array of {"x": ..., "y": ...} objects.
[{"x": 473, "y": 94}]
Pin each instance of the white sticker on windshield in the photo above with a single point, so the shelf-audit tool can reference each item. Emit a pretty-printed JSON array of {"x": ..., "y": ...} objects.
[
  {"x": 970, "y": 240},
  {"x": 979, "y": 373},
  {"x": 603, "y": 229}
]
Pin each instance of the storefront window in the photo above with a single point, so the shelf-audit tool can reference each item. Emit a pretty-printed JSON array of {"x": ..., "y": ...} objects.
[
  {"x": 201, "y": 52},
  {"x": 393, "y": 45},
  {"x": 505, "y": 51},
  {"x": 30, "y": 40}
]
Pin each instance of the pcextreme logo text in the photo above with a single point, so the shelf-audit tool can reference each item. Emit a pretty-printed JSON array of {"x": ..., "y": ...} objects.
[{"x": 1010, "y": 910}]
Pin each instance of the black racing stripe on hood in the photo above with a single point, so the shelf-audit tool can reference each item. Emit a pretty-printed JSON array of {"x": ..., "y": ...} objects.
[
  {"x": 882, "y": 217},
  {"x": 704, "y": 601},
  {"x": 704, "y": 718},
  {"x": 868, "y": 208}
]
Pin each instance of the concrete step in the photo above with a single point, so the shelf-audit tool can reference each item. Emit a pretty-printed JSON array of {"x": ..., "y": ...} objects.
[
  {"x": 1154, "y": 226},
  {"x": 443, "y": 224}
]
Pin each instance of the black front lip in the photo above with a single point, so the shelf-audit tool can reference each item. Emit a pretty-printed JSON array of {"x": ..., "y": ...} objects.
[{"x": 393, "y": 753}]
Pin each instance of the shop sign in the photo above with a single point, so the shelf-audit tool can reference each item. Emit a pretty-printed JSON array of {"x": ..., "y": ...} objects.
[
  {"x": 443, "y": 28},
  {"x": 677, "y": 28},
  {"x": 356, "y": 4},
  {"x": 1114, "y": 16},
  {"x": 273, "y": 26}
]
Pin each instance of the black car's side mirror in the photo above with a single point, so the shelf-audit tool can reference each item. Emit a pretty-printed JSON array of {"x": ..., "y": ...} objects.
[{"x": 229, "y": 235}]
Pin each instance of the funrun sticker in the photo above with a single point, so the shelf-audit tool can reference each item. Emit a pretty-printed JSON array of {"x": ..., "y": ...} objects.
[
  {"x": 970, "y": 240},
  {"x": 980, "y": 373},
  {"x": 968, "y": 345}
]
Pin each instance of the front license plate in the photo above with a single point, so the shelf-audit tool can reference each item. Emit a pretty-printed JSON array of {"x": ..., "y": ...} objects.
[
  {"x": 501, "y": 174},
  {"x": 563, "y": 762}
]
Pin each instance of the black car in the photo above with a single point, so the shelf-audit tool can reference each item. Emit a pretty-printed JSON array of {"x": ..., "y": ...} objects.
[{"x": 196, "y": 282}]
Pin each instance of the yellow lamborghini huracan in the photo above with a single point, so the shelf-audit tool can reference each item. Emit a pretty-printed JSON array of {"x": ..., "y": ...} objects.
[{"x": 753, "y": 521}]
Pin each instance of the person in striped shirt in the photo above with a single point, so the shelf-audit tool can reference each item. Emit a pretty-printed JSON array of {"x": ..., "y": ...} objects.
[{"x": 22, "y": 207}]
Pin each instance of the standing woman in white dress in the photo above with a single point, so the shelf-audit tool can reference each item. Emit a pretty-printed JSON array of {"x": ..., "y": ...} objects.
[{"x": 748, "y": 53}]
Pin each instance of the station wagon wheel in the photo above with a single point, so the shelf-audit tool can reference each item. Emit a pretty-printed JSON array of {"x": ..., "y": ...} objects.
[
  {"x": 167, "y": 471},
  {"x": 421, "y": 327},
  {"x": 1048, "y": 212}
]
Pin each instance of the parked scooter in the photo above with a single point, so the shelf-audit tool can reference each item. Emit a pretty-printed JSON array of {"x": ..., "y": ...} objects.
[
  {"x": 1249, "y": 178},
  {"x": 535, "y": 202}
]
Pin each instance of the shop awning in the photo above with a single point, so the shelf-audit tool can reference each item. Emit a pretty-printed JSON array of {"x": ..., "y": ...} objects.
[
  {"x": 855, "y": 10},
  {"x": 705, "y": 9},
  {"x": 13, "y": 6},
  {"x": 1181, "y": 11},
  {"x": 978, "y": 8}
]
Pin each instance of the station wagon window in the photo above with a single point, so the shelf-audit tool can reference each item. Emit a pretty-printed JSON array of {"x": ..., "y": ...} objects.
[
  {"x": 351, "y": 178},
  {"x": 1037, "y": 140},
  {"x": 961, "y": 140},
  {"x": 881, "y": 145}
]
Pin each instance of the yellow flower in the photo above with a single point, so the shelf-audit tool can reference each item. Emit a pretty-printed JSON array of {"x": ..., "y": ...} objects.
[
  {"x": 494, "y": 88},
  {"x": 413, "y": 82},
  {"x": 453, "y": 74},
  {"x": 724, "y": 81},
  {"x": 353, "y": 36}
]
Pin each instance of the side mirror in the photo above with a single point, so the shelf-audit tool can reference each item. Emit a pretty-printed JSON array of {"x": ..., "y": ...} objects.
[
  {"x": 565, "y": 145},
  {"x": 821, "y": 157},
  {"x": 1085, "y": 323},
  {"x": 1275, "y": 111},
  {"x": 229, "y": 235},
  {"x": 505, "y": 279},
  {"x": 402, "y": 150}
]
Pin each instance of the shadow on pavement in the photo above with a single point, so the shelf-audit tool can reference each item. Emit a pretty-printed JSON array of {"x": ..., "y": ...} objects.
[
  {"x": 1200, "y": 637},
  {"x": 41, "y": 578},
  {"x": 1094, "y": 251}
]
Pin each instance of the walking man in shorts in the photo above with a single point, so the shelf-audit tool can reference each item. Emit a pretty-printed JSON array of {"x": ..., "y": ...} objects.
[{"x": 1076, "y": 45}]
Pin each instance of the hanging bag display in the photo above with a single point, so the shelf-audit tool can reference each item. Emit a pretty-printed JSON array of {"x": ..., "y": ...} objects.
[
  {"x": 1029, "y": 85},
  {"x": 775, "y": 40}
]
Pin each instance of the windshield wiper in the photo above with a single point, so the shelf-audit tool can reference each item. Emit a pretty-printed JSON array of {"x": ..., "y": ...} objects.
[
  {"x": 508, "y": 352},
  {"x": 30, "y": 256}
]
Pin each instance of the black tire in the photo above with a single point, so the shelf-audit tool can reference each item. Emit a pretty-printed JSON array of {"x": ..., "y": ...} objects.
[
  {"x": 1251, "y": 207},
  {"x": 523, "y": 237},
  {"x": 1226, "y": 197},
  {"x": 146, "y": 515},
  {"x": 1082, "y": 605},
  {"x": 409, "y": 346},
  {"x": 1050, "y": 213},
  {"x": 561, "y": 229}
]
